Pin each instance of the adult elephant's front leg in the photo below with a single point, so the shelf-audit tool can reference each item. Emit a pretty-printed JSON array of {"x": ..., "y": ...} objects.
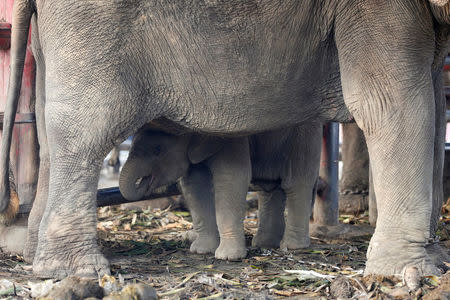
[
  {"x": 67, "y": 238},
  {"x": 231, "y": 173},
  {"x": 389, "y": 91},
  {"x": 67, "y": 243}
]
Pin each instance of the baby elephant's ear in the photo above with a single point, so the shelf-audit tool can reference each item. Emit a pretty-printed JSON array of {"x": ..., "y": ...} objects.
[{"x": 202, "y": 147}]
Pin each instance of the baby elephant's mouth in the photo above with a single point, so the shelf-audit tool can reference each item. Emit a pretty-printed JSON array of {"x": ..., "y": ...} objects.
[{"x": 144, "y": 182}]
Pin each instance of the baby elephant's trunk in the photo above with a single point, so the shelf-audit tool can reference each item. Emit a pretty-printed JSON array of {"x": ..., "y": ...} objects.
[{"x": 130, "y": 183}]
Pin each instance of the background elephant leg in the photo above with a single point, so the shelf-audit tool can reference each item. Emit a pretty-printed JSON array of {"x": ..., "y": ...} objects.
[
  {"x": 447, "y": 157},
  {"x": 439, "y": 152},
  {"x": 40, "y": 200},
  {"x": 38, "y": 209},
  {"x": 198, "y": 192},
  {"x": 231, "y": 173},
  {"x": 270, "y": 219},
  {"x": 300, "y": 187},
  {"x": 355, "y": 173},
  {"x": 390, "y": 101},
  {"x": 437, "y": 254},
  {"x": 439, "y": 149},
  {"x": 13, "y": 236},
  {"x": 447, "y": 175}
]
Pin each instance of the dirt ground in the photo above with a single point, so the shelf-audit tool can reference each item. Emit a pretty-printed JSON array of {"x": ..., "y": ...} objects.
[{"x": 149, "y": 247}]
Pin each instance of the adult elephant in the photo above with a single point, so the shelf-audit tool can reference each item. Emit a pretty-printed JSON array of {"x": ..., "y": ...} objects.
[{"x": 231, "y": 68}]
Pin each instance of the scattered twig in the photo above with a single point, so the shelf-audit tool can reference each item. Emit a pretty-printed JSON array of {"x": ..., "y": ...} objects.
[
  {"x": 320, "y": 264},
  {"x": 320, "y": 287},
  {"x": 360, "y": 284},
  {"x": 188, "y": 277},
  {"x": 307, "y": 274},
  {"x": 171, "y": 292},
  {"x": 215, "y": 296}
]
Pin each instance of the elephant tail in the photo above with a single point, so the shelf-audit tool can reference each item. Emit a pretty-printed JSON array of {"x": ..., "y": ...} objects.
[
  {"x": 22, "y": 12},
  {"x": 441, "y": 10}
]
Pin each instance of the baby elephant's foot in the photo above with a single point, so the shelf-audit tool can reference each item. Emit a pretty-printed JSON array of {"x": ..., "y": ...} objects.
[
  {"x": 204, "y": 244},
  {"x": 266, "y": 240},
  {"x": 190, "y": 235},
  {"x": 89, "y": 265},
  {"x": 294, "y": 240},
  {"x": 231, "y": 248}
]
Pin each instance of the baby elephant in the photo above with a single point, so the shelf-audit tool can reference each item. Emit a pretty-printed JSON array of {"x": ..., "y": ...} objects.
[{"x": 215, "y": 174}]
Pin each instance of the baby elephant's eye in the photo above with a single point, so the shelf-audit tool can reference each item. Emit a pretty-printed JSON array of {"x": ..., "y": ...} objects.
[{"x": 157, "y": 150}]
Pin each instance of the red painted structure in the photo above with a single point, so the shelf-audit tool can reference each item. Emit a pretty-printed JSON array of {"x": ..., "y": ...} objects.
[{"x": 24, "y": 151}]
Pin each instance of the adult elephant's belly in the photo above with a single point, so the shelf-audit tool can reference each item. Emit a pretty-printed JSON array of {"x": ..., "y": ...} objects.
[
  {"x": 229, "y": 93},
  {"x": 246, "y": 113},
  {"x": 239, "y": 72},
  {"x": 217, "y": 67}
]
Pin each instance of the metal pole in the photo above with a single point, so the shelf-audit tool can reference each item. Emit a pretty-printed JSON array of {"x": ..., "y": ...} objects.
[
  {"x": 112, "y": 196},
  {"x": 326, "y": 207}
]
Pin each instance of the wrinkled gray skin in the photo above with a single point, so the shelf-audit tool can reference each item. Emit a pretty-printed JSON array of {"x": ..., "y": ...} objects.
[
  {"x": 230, "y": 68},
  {"x": 283, "y": 167}
]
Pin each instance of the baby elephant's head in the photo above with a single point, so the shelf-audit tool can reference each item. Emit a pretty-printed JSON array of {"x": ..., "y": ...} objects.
[{"x": 155, "y": 159}]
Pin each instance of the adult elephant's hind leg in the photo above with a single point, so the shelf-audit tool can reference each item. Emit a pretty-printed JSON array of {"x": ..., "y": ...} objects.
[{"x": 387, "y": 86}]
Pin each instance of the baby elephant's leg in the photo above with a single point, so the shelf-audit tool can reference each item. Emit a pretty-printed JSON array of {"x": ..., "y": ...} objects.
[
  {"x": 270, "y": 219},
  {"x": 198, "y": 191},
  {"x": 231, "y": 171},
  {"x": 299, "y": 186}
]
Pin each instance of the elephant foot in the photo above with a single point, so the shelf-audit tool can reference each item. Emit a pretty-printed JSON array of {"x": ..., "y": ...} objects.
[
  {"x": 231, "y": 249},
  {"x": 262, "y": 240},
  {"x": 394, "y": 256},
  {"x": 205, "y": 243},
  {"x": 93, "y": 265},
  {"x": 293, "y": 240},
  {"x": 353, "y": 202},
  {"x": 13, "y": 237}
]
